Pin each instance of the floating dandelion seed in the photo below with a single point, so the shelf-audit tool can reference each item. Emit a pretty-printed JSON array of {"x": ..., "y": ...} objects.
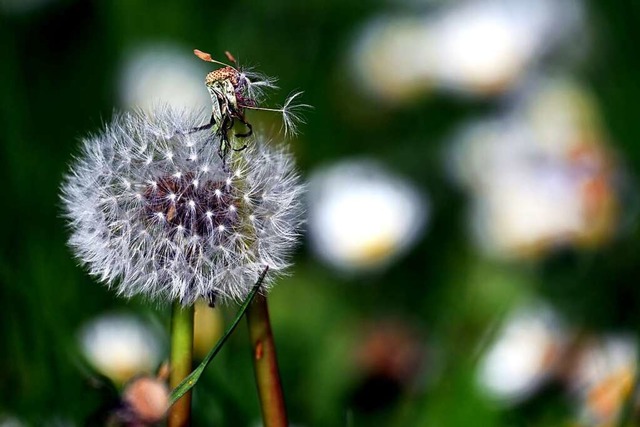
[{"x": 154, "y": 211}]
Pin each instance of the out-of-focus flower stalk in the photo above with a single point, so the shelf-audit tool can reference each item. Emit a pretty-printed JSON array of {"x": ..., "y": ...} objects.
[
  {"x": 181, "y": 361},
  {"x": 265, "y": 364}
]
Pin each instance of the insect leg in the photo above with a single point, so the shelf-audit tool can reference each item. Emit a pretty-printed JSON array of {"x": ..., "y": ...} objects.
[
  {"x": 249, "y": 132},
  {"x": 230, "y": 122},
  {"x": 226, "y": 125},
  {"x": 209, "y": 125}
]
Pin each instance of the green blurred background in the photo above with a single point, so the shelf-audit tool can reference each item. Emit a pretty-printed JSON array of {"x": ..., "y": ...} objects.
[{"x": 60, "y": 64}]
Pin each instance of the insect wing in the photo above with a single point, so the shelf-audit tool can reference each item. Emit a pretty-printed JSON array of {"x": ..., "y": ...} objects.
[
  {"x": 218, "y": 109},
  {"x": 229, "y": 93}
]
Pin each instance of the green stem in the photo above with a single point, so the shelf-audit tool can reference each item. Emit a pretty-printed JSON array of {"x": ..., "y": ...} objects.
[
  {"x": 181, "y": 360},
  {"x": 265, "y": 364}
]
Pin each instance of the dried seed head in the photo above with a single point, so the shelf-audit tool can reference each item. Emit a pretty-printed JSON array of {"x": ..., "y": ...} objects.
[{"x": 154, "y": 211}]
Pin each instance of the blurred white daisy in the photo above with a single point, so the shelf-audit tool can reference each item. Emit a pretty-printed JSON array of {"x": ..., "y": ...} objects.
[
  {"x": 486, "y": 46},
  {"x": 539, "y": 176},
  {"x": 480, "y": 48},
  {"x": 524, "y": 355},
  {"x": 163, "y": 74},
  {"x": 361, "y": 216},
  {"x": 602, "y": 378},
  {"x": 120, "y": 346},
  {"x": 393, "y": 58}
]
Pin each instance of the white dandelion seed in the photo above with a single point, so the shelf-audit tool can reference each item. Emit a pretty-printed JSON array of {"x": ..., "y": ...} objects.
[
  {"x": 291, "y": 114},
  {"x": 144, "y": 244}
]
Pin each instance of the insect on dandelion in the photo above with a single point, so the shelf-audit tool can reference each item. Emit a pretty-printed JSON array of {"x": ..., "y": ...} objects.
[
  {"x": 154, "y": 210},
  {"x": 157, "y": 209},
  {"x": 234, "y": 90}
]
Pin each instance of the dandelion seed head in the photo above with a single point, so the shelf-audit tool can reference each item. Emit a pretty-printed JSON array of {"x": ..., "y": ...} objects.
[{"x": 181, "y": 230}]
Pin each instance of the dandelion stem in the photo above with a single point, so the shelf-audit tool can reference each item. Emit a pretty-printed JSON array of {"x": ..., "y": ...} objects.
[
  {"x": 181, "y": 360},
  {"x": 265, "y": 364}
]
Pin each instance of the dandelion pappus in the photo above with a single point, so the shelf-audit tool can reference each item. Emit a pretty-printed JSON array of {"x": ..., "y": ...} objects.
[{"x": 233, "y": 91}]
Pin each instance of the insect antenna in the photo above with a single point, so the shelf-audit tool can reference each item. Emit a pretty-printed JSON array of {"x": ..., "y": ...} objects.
[
  {"x": 230, "y": 57},
  {"x": 207, "y": 58}
]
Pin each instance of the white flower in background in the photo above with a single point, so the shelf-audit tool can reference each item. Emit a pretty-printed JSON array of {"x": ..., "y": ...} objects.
[
  {"x": 393, "y": 58},
  {"x": 529, "y": 209},
  {"x": 486, "y": 46},
  {"x": 525, "y": 353},
  {"x": 481, "y": 47},
  {"x": 163, "y": 74},
  {"x": 602, "y": 378},
  {"x": 120, "y": 346},
  {"x": 539, "y": 176},
  {"x": 361, "y": 216}
]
